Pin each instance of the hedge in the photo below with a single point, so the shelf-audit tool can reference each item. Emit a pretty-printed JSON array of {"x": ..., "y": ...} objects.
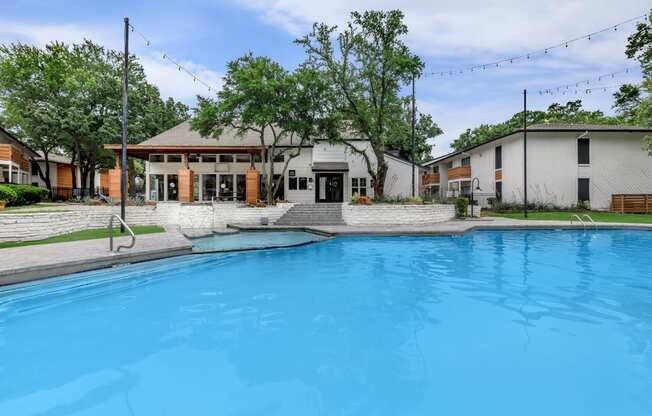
[{"x": 15, "y": 195}]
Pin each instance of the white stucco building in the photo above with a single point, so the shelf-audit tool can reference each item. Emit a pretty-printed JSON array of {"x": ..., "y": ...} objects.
[
  {"x": 322, "y": 172},
  {"x": 566, "y": 164}
]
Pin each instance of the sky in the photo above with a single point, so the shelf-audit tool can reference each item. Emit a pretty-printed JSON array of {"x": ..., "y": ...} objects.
[{"x": 204, "y": 35}]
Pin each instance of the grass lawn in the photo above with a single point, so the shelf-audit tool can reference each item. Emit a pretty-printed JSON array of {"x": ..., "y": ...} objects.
[
  {"x": 91, "y": 234},
  {"x": 597, "y": 216}
]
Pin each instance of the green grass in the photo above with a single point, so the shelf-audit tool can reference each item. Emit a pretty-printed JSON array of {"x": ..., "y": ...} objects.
[
  {"x": 597, "y": 216},
  {"x": 91, "y": 234}
]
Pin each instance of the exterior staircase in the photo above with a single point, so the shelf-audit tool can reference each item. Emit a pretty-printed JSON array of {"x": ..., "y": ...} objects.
[{"x": 313, "y": 214}]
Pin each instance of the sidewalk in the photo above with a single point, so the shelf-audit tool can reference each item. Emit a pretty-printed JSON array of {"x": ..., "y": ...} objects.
[{"x": 20, "y": 264}]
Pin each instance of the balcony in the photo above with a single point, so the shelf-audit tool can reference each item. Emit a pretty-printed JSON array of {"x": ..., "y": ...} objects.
[
  {"x": 430, "y": 179},
  {"x": 460, "y": 172}
]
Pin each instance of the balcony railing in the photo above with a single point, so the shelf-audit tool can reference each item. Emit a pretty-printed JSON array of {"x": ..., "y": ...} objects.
[
  {"x": 460, "y": 172},
  {"x": 430, "y": 179}
]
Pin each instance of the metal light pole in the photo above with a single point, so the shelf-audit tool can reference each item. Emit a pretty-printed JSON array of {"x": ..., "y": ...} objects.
[
  {"x": 125, "y": 114},
  {"x": 413, "y": 138},
  {"x": 525, "y": 153}
]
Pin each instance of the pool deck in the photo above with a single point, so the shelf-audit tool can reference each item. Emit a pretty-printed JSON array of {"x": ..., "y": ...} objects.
[{"x": 21, "y": 264}]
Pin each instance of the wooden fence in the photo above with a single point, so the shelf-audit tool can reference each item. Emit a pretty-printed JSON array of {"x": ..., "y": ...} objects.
[{"x": 631, "y": 203}]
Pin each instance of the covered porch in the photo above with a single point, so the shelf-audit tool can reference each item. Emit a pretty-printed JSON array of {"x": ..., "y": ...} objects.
[{"x": 194, "y": 173}]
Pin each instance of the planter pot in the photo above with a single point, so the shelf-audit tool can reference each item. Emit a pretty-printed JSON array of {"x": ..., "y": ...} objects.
[{"x": 2, "y": 205}]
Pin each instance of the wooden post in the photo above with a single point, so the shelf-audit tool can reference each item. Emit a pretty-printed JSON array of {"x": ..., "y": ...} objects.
[
  {"x": 253, "y": 185},
  {"x": 186, "y": 185},
  {"x": 645, "y": 202},
  {"x": 622, "y": 204}
]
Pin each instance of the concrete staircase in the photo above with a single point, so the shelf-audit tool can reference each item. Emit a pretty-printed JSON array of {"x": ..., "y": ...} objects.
[{"x": 313, "y": 214}]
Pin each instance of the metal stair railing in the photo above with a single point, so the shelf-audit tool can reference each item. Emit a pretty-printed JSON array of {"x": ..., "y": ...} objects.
[
  {"x": 579, "y": 219},
  {"x": 133, "y": 236},
  {"x": 590, "y": 220}
]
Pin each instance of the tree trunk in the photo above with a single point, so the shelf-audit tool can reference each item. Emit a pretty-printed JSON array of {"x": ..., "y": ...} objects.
[
  {"x": 73, "y": 170},
  {"x": 270, "y": 177},
  {"x": 44, "y": 177},
  {"x": 379, "y": 180}
]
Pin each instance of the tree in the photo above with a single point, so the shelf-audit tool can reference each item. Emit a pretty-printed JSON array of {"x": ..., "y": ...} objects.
[
  {"x": 571, "y": 112},
  {"x": 260, "y": 96},
  {"x": 636, "y": 102},
  {"x": 400, "y": 136},
  {"x": 367, "y": 67},
  {"x": 33, "y": 85}
]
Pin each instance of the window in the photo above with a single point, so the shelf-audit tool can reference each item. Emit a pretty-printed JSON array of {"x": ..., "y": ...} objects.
[
  {"x": 583, "y": 152},
  {"x": 241, "y": 187},
  {"x": 34, "y": 169},
  {"x": 193, "y": 158},
  {"x": 583, "y": 193},
  {"x": 303, "y": 184},
  {"x": 359, "y": 186},
  {"x": 292, "y": 184},
  {"x": 226, "y": 158},
  {"x": 499, "y": 191},
  {"x": 209, "y": 158},
  {"x": 257, "y": 158},
  {"x": 156, "y": 187},
  {"x": 466, "y": 161},
  {"x": 300, "y": 184},
  {"x": 174, "y": 158},
  {"x": 435, "y": 169},
  {"x": 499, "y": 157},
  {"x": 465, "y": 188},
  {"x": 157, "y": 158},
  {"x": 242, "y": 158},
  {"x": 279, "y": 158},
  {"x": 449, "y": 165}
]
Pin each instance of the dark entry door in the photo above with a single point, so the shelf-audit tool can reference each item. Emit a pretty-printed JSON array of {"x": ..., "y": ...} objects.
[{"x": 330, "y": 187}]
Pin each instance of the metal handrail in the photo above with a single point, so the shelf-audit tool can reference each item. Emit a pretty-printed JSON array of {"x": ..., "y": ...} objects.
[
  {"x": 590, "y": 220},
  {"x": 133, "y": 236},
  {"x": 575, "y": 216}
]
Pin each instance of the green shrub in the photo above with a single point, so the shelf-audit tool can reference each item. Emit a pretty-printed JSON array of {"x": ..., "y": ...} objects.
[
  {"x": 27, "y": 194},
  {"x": 8, "y": 195},
  {"x": 461, "y": 207}
]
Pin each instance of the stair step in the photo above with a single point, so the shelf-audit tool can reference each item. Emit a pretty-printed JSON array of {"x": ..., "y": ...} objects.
[{"x": 313, "y": 214}]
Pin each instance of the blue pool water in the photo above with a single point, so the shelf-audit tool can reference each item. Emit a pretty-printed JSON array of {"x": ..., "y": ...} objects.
[
  {"x": 491, "y": 323},
  {"x": 254, "y": 240}
]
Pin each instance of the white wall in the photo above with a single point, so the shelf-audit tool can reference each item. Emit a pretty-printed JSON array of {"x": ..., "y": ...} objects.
[{"x": 398, "y": 182}]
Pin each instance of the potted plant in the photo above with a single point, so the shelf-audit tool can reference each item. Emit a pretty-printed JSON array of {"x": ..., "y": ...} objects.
[{"x": 2, "y": 205}]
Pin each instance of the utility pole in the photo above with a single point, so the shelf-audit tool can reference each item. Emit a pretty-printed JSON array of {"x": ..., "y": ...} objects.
[
  {"x": 525, "y": 153},
  {"x": 413, "y": 138},
  {"x": 125, "y": 114}
]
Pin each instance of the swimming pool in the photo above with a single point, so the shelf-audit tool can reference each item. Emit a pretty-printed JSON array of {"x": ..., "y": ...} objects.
[
  {"x": 500, "y": 323},
  {"x": 254, "y": 240}
]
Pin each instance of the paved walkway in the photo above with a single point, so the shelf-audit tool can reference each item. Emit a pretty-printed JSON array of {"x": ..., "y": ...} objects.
[{"x": 21, "y": 264}]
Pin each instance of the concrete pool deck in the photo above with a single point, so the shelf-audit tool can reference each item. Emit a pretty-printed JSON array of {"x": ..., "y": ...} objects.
[{"x": 21, "y": 264}]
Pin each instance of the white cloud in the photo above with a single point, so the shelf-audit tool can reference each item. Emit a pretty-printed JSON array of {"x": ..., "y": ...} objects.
[{"x": 162, "y": 73}]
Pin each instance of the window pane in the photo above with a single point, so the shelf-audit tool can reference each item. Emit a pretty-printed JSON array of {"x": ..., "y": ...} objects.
[
  {"x": 226, "y": 187},
  {"x": 362, "y": 192},
  {"x": 303, "y": 183},
  {"x": 354, "y": 182},
  {"x": 499, "y": 191},
  {"x": 242, "y": 158},
  {"x": 156, "y": 158},
  {"x": 156, "y": 187},
  {"x": 258, "y": 158},
  {"x": 363, "y": 182},
  {"x": 292, "y": 184},
  {"x": 583, "y": 193},
  {"x": 279, "y": 158},
  {"x": 226, "y": 158},
  {"x": 193, "y": 158},
  {"x": 209, "y": 187},
  {"x": 208, "y": 158},
  {"x": 435, "y": 169},
  {"x": 466, "y": 161},
  {"x": 174, "y": 158},
  {"x": 583, "y": 152},
  {"x": 241, "y": 186},
  {"x": 499, "y": 157}
]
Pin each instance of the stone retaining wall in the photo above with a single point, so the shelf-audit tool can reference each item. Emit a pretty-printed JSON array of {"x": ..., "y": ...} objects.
[
  {"x": 37, "y": 226},
  {"x": 391, "y": 214}
]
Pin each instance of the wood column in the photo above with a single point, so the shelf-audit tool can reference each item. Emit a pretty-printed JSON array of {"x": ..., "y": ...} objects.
[
  {"x": 186, "y": 185},
  {"x": 114, "y": 180},
  {"x": 253, "y": 185}
]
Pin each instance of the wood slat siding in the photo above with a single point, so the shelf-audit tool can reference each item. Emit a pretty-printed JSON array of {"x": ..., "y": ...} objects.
[
  {"x": 499, "y": 175},
  {"x": 631, "y": 203},
  {"x": 460, "y": 172},
  {"x": 431, "y": 179},
  {"x": 64, "y": 176},
  {"x": 13, "y": 153}
]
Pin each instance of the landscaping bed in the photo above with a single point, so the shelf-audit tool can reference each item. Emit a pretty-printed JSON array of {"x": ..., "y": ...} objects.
[
  {"x": 89, "y": 234},
  {"x": 598, "y": 216}
]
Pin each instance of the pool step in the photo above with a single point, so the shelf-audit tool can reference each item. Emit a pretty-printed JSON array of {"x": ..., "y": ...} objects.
[{"x": 313, "y": 214}]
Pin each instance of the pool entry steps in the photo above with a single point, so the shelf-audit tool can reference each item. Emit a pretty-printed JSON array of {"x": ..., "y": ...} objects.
[{"x": 313, "y": 214}]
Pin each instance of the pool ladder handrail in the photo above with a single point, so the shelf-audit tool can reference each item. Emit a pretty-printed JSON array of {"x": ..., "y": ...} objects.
[
  {"x": 579, "y": 219},
  {"x": 131, "y": 232},
  {"x": 590, "y": 220}
]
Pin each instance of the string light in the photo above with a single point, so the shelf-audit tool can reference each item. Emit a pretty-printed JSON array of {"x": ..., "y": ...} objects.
[
  {"x": 577, "y": 91},
  {"x": 586, "y": 81},
  {"x": 543, "y": 52},
  {"x": 167, "y": 57}
]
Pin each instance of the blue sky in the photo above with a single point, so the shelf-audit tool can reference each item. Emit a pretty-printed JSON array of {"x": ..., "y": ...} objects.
[{"x": 205, "y": 35}]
